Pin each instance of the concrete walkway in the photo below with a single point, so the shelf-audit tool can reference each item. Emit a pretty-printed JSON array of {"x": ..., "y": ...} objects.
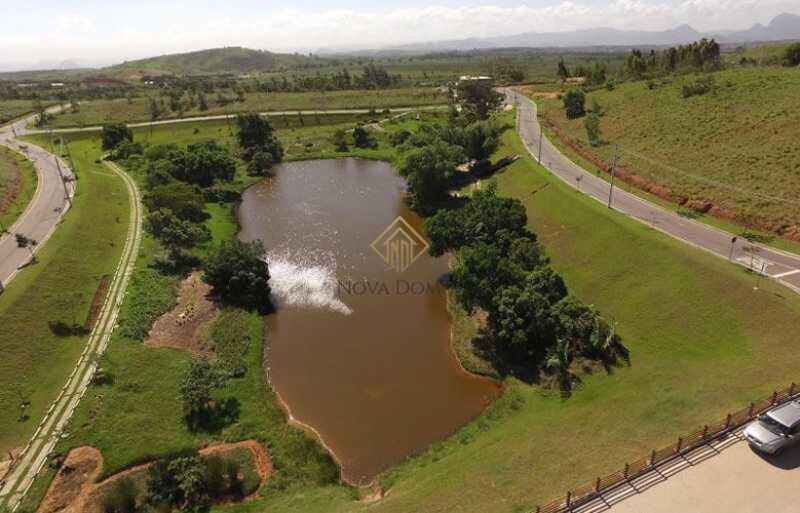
[
  {"x": 724, "y": 477},
  {"x": 779, "y": 265}
]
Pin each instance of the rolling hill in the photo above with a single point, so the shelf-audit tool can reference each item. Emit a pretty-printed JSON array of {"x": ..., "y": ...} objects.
[
  {"x": 731, "y": 152},
  {"x": 222, "y": 60}
]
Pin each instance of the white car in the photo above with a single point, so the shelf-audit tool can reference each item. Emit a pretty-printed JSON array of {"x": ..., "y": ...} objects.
[{"x": 775, "y": 430}]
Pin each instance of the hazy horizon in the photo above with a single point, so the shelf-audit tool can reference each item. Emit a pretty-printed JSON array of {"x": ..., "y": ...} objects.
[{"x": 98, "y": 33}]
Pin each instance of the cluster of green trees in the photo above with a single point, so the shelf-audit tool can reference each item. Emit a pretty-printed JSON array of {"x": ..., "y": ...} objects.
[
  {"x": 260, "y": 148},
  {"x": 372, "y": 77},
  {"x": 532, "y": 321},
  {"x": 432, "y": 154},
  {"x": 791, "y": 56},
  {"x": 703, "y": 55},
  {"x": 183, "y": 482}
]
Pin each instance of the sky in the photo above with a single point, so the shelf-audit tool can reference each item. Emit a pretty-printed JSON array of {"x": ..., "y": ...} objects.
[{"x": 109, "y": 31}]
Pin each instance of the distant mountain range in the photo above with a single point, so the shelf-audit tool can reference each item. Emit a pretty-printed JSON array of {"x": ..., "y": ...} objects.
[{"x": 782, "y": 27}]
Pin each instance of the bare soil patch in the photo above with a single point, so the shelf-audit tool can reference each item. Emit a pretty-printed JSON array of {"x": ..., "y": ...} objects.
[
  {"x": 186, "y": 325},
  {"x": 74, "y": 489}
]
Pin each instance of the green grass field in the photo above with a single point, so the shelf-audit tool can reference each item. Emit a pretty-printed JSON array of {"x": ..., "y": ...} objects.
[
  {"x": 734, "y": 147},
  {"x": 12, "y": 109},
  {"x": 698, "y": 333},
  {"x": 17, "y": 178},
  {"x": 98, "y": 112},
  {"x": 59, "y": 288}
]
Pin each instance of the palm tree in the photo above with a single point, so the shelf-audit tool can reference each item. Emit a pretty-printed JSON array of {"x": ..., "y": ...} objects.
[{"x": 559, "y": 361}]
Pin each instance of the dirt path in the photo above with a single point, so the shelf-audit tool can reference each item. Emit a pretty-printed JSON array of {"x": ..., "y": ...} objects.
[{"x": 75, "y": 490}]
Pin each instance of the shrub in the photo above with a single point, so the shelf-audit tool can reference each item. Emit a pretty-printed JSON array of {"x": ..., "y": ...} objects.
[
  {"x": 698, "y": 87},
  {"x": 791, "y": 57},
  {"x": 574, "y": 103},
  {"x": 121, "y": 498}
]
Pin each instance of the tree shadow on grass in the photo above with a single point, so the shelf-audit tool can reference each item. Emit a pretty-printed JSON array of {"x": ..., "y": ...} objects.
[{"x": 217, "y": 416}]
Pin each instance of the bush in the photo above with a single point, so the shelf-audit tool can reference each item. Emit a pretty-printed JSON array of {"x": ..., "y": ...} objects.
[
  {"x": 791, "y": 57},
  {"x": 121, "y": 498},
  {"x": 239, "y": 275},
  {"x": 574, "y": 103},
  {"x": 699, "y": 87}
]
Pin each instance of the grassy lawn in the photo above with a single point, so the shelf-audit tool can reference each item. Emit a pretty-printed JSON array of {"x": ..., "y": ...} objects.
[
  {"x": 60, "y": 287},
  {"x": 97, "y": 112},
  {"x": 17, "y": 185},
  {"x": 734, "y": 147},
  {"x": 12, "y": 109}
]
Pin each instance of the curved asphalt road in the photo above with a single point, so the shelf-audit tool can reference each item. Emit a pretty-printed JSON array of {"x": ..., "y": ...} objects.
[
  {"x": 232, "y": 116},
  {"x": 779, "y": 265},
  {"x": 48, "y": 205}
]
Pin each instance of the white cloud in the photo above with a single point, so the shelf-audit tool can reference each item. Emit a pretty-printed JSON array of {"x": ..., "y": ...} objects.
[{"x": 308, "y": 29}]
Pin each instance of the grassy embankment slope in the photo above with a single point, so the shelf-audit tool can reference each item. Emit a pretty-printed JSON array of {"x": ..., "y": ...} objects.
[
  {"x": 59, "y": 288},
  {"x": 733, "y": 148},
  {"x": 98, "y": 112},
  {"x": 17, "y": 185},
  {"x": 690, "y": 320}
]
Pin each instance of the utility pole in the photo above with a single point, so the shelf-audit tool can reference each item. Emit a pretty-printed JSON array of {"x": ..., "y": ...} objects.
[
  {"x": 541, "y": 136},
  {"x": 613, "y": 169},
  {"x": 64, "y": 183},
  {"x": 733, "y": 243}
]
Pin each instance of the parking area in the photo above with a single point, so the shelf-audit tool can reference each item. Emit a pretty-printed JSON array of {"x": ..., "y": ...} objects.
[{"x": 724, "y": 477}]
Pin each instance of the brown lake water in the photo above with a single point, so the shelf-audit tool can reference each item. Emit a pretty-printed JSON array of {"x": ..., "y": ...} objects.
[{"x": 359, "y": 352}]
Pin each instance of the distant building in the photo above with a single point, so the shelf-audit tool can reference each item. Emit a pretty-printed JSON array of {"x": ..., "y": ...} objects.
[
  {"x": 476, "y": 78},
  {"x": 57, "y": 84}
]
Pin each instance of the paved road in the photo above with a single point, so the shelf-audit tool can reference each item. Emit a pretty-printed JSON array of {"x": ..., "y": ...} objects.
[
  {"x": 233, "y": 117},
  {"x": 724, "y": 477},
  {"x": 48, "y": 205},
  {"x": 16, "y": 483},
  {"x": 781, "y": 266}
]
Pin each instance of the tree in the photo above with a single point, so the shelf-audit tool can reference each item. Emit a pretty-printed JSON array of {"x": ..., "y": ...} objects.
[
  {"x": 478, "y": 99},
  {"x": 25, "y": 242},
  {"x": 362, "y": 138},
  {"x": 791, "y": 57},
  {"x": 256, "y": 134},
  {"x": 339, "y": 140},
  {"x": 202, "y": 101},
  {"x": 428, "y": 171},
  {"x": 592, "y": 125},
  {"x": 155, "y": 110},
  {"x": 115, "y": 134},
  {"x": 563, "y": 72},
  {"x": 574, "y": 103},
  {"x": 486, "y": 218},
  {"x": 203, "y": 164},
  {"x": 482, "y": 140},
  {"x": 199, "y": 381},
  {"x": 239, "y": 274},
  {"x": 176, "y": 234},
  {"x": 183, "y": 200},
  {"x": 260, "y": 163}
]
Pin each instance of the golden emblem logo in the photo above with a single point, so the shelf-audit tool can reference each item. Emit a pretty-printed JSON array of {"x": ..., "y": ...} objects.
[{"x": 399, "y": 245}]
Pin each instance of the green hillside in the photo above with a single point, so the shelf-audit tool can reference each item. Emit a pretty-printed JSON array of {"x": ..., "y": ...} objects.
[
  {"x": 233, "y": 59},
  {"x": 732, "y": 151}
]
